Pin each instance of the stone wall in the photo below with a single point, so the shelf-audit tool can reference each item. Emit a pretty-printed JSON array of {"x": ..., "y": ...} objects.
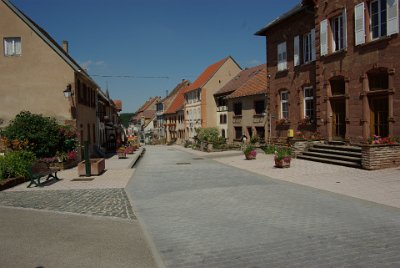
[{"x": 380, "y": 156}]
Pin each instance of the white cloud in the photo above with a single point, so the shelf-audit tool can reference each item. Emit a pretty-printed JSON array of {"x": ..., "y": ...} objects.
[{"x": 86, "y": 64}]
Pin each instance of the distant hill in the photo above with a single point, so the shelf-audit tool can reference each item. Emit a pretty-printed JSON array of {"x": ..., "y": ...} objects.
[{"x": 125, "y": 117}]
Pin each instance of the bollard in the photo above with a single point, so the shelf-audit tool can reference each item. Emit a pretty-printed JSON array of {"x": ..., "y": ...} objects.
[{"x": 87, "y": 159}]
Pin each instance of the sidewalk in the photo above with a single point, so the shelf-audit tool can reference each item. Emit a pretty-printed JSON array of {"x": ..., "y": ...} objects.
[
  {"x": 380, "y": 186},
  {"x": 117, "y": 174}
]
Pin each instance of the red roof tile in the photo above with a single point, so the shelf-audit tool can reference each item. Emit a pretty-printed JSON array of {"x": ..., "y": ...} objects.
[
  {"x": 257, "y": 84},
  {"x": 178, "y": 102},
  {"x": 239, "y": 80},
  {"x": 206, "y": 75}
]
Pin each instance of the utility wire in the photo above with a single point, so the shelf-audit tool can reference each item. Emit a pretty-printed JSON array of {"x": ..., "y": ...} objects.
[{"x": 130, "y": 76}]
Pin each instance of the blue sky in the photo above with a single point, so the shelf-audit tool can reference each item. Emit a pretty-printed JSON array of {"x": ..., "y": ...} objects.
[{"x": 176, "y": 39}]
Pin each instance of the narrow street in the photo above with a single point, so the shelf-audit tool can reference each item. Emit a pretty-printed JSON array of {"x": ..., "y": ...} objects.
[{"x": 201, "y": 213}]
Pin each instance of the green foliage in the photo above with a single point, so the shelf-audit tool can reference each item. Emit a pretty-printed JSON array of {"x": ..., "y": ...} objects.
[
  {"x": 248, "y": 149},
  {"x": 125, "y": 118},
  {"x": 16, "y": 164},
  {"x": 283, "y": 153},
  {"x": 44, "y": 135},
  {"x": 210, "y": 134},
  {"x": 269, "y": 149}
]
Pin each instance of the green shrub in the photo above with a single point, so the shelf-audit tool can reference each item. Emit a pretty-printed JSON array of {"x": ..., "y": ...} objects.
[
  {"x": 44, "y": 136},
  {"x": 248, "y": 149},
  {"x": 16, "y": 164},
  {"x": 210, "y": 134},
  {"x": 270, "y": 149}
]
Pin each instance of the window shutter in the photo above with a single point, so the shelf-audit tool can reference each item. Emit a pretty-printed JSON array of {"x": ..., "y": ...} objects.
[
  {"x": 392, "y": 17},
  {"x": 296, "y": 50},
  {"x": 279, "y": 57},
  {"x": 345, "y": 28},
  {"x": 359, "y": 27},
  {"x": 324, "y": 37},
  {"x": 284, "y": 56},
  {"x": 313, "y": 51}
]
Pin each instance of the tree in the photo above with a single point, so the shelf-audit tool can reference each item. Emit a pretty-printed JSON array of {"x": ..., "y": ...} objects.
[{"x": 41, "y": 133}]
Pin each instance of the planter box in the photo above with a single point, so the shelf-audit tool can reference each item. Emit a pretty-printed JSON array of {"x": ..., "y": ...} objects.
[
  {"x": 97, "y": 166},
  {"x": 379, "y": 156},
  {"x": 282, "y": 163},
  {"x": 11, "y": 182},
  {"x": 250, "y": 156}
]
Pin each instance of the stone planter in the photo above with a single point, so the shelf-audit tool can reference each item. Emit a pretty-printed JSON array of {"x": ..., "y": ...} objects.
[
  {"x": 97, "y": 166},
  {"x": 11, "y": 182},
  {"x": 251, "y": 156},
  {"x": 379, "y": 156},
  {"x": 282, "y": 163}
]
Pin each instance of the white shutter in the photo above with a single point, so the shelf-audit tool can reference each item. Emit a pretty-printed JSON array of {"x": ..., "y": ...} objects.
[
  {"x": 392, "y": 17},
  {"x": 324, "y": 37},
  {"x": 284, "y": 56},
  {"x": 296, "y": 60},
  {"x": 359, "y": 27},
  {"x": 279, "y": 57},
  {"x": 345, "y": 28},
  {"x": 313, "y": 50}
]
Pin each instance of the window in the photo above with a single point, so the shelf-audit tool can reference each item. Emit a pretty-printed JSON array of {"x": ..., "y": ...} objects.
[
  {"x": 338, "y": 86},
  {"x": 259, "y": 107},
  {"x": 12, "y": 46},
  {"x": 222, "y": 119},
  {"x": 378, "y": 80},
  {"x": 284, "y": 105},
  {"x": 383, "y": 20},
  {"x": 282, "y": 62},
  {"x": 308, "y": 103},
  {"x": 338, "y": 36},
  {"x": 378, "y": 18},
  {"x": 237, "y": 109},
  {"x": 238, "y": 133}
]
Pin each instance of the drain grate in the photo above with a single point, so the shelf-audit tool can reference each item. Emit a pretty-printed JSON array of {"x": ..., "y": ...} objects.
[
  {"x": 198, "y": 158},
  {"x": 82, "y": 179},
  {"x": 183, "y": 163}
]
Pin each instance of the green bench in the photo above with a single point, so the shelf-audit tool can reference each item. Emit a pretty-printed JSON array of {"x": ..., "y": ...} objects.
[{"x": 39, "y": 170}]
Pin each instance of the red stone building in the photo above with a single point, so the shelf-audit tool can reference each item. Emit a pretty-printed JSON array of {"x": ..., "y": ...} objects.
[{"x": 340, "y": 79}]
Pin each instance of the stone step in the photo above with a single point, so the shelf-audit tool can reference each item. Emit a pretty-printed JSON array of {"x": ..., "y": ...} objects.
[
  {"x": 330, "y": 161},
  {"x": 338, "y": 147},
  {"x": 334, "y": 156},
  {"x": 335, "y": 152}
]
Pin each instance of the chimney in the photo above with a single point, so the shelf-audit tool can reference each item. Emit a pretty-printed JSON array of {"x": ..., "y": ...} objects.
[
  {"x": 166, "y": 93},
  {"x": 65, "y": 46}
]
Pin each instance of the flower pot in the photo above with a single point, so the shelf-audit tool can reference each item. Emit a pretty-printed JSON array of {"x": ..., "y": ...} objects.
[
  {"x": 282, "y": 163},
  {"x": 250, "y": 156}
]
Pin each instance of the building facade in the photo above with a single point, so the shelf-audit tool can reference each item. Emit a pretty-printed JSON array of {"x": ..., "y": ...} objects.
[
  {"x": 200, "y": 105},
  {"x": 344, "y": 87}
]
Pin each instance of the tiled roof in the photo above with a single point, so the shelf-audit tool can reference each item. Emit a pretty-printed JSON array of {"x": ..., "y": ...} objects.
[
  {"x": 257, "y": 84},
  {"x": 206, "y": 75},
  {"x": 149, "y": 114},
  {"x": 239, "y": 80},
  {"x": 178, "y": 102},
  {"x": 118, "y": 104},
  {"x": 172, "y": 96}
]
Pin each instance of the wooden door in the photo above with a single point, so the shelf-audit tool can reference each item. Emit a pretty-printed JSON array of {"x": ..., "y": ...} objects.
[
  {"x": 379, "y": 116},
  {"x": 338, "y": 119}
]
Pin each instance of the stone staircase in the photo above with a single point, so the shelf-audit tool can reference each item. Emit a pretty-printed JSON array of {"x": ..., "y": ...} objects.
[{"x": 336, "y": 153}]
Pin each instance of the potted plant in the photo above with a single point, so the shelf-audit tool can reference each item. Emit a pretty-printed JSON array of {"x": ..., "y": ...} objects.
[
  {"x": 283, "y": 156},
  {"x": 121, "y": 152},
  {"x": 250, "y": 152}
]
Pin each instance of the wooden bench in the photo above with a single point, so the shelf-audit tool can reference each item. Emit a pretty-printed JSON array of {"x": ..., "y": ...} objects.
[{"x": 41, "y": 169}]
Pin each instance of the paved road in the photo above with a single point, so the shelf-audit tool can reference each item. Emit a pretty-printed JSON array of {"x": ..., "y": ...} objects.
[
  {"x": 201, "y": 213},
  {"x": 38, "y": 238}
]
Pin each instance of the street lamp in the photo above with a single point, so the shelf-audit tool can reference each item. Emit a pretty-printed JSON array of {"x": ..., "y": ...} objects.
[{"x": 68, "y": 91}]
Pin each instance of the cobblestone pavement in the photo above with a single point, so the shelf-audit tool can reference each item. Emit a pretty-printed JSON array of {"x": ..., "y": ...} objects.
[
  {"x": 201, "y": 213},
  {"x": 98, "y": 202}
]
